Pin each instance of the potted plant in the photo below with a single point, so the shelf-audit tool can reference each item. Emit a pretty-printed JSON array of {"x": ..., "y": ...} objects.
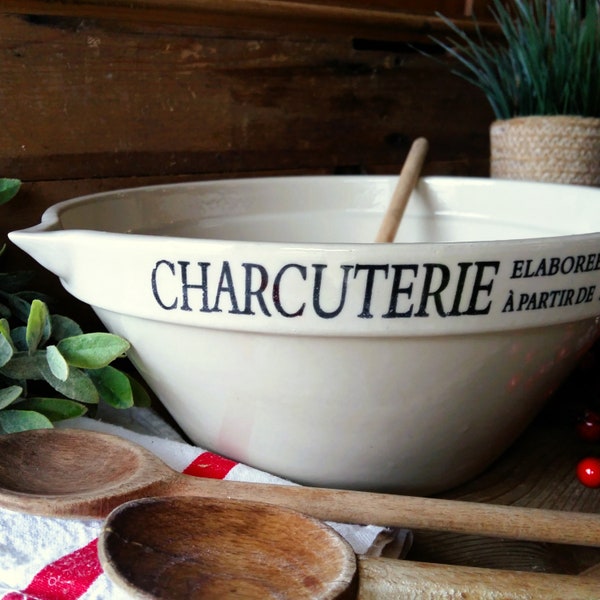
[
  {"x": 542, "y": 79},
  {"x": 50, "y": 369}
]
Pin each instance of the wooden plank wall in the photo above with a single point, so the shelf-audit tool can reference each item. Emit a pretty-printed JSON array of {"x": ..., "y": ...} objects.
[
  {"x": 88, "y": 105},
  {"x": 375, "y": 19}
]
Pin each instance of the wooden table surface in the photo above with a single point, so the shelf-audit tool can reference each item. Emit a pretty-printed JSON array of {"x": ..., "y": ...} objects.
[{"x": 539, "y": 470}]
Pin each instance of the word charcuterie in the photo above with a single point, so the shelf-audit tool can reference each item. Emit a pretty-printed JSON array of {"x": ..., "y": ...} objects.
[{"x": 407, "y": 290}]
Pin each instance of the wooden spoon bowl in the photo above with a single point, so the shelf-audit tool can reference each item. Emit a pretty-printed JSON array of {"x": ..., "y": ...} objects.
[
  {"x": 215, "y": 549},
  {"x": 76, "y": 472}
]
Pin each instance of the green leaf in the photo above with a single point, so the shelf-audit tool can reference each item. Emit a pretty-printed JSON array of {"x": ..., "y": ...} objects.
[
  {"x": 6, "y": 349},
  {"x": 77, "y": 386},
  {"x": 9, "y": 394},
  {"x": 18, "y": 338},
  {"x": 18, "y": 306},
  {"x": 8, "y": 189},
  {"x": 55, "y": 409},
  {"x": 13, "y": 421},
  {"x": 22, "y": 366},
  {"x": 5, "y": 328},
  {"x": 57, "y": 363},
  {"x": 140, "y": 395},
  {"x": 114, "y": 386},
  {"x": 38, "y": 325},
  {"x": 92, "y": 350},
  {"x": 64, "y": 327}
]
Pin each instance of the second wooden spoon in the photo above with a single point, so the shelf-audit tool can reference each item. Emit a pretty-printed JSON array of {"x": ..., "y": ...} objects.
[{"x": 187, "y": 548}]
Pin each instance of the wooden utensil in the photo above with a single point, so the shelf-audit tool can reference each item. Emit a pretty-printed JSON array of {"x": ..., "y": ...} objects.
[
  {"x": 70, "y": 472},
  {"x": 409, "y": 175},
  {"x": 185, "y": 548}
]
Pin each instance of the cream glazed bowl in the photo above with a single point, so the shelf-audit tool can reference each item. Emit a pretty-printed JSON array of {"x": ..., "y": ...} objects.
[{"x": 277, "y": 334}]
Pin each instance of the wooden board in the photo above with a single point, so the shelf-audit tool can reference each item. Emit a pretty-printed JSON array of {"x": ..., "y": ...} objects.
[
  {"x": 375, "y": 19},
  {"x": 85, "y": 100}
]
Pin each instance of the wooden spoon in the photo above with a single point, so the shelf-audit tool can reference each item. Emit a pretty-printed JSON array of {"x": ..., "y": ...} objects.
[
  {"x": 71, "y": 472},
  {"x": 409, "y": 175},
  {"x": 186, "y": 548}
]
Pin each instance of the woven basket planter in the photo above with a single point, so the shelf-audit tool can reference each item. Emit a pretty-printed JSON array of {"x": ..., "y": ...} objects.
[{"x": 558, "y": 149}]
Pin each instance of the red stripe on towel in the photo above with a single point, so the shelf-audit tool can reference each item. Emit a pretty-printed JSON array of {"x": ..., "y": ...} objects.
[
  {"x": 210, "y": 465},
  {"x": 67, "y": 578}
]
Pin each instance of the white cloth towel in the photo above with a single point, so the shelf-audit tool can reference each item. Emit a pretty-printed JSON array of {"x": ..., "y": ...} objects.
[{"x": 56, "y": 559}]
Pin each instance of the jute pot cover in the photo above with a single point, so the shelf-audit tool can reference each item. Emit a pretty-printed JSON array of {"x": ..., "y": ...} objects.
[{"x": 559, "y": 149}]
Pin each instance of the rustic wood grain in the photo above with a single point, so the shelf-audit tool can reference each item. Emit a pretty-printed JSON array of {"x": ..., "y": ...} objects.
[
  {"x": 83, "y": 99},
  {"x": 376, "y": 19}
]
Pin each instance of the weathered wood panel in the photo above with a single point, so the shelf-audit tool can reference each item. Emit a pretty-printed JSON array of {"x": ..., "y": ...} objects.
[
  {"x": 376, "y": 19},
  {"x": 90, "y": 100}
]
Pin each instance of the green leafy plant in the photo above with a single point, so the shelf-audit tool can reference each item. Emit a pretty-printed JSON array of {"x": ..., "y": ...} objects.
[
  {"x": 547, "y": 61},
  {"x": 42, "y": 354},
  {"x": 8, "y": 189}
]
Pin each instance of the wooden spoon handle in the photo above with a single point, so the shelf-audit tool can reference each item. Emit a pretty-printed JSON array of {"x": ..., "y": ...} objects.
[
  {"x": 385, "y": 578},
  {"x": 406, "y": 182},
  {"x": 344, "y": 506}
]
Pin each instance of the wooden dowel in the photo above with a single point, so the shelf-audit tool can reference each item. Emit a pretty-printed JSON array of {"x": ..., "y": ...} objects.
[{"x": 409, "y": 175}]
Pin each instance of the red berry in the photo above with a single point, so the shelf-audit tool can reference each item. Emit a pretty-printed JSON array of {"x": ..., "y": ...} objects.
[
  {"x": 588, "y": 427},
  {"x": 588, "y": 471}
]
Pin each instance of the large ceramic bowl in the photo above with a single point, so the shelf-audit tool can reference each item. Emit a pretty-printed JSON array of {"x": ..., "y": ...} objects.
[{"x": 276, "y": 333}]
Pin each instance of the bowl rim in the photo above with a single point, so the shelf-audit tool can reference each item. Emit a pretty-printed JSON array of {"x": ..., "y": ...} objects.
[{"x": 51, "y": 217}]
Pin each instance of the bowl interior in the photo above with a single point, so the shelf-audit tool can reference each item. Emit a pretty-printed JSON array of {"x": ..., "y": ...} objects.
[{"x": 340, "y": 210}]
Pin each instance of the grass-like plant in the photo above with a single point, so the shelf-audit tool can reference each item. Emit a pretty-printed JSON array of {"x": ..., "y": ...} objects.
[
  {"x": 50, "y": 369},
  {"x": 546, "y": 61}
]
